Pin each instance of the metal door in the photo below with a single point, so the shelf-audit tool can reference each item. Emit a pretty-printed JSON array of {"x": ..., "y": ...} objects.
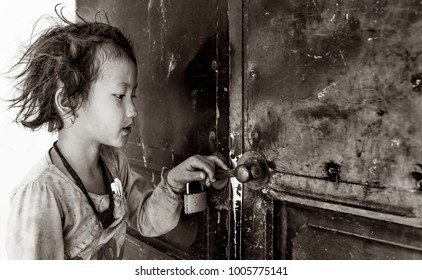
[{"x": 330, "y": 93}]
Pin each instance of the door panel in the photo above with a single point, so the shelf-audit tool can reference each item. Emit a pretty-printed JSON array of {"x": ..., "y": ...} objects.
[
  {"x": 314, "y": 233},
  {"x": 329, "y": 96},
  {"x": 182, "y": 53}
]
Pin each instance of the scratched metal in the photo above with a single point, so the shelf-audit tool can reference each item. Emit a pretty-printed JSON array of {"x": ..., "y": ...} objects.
[
  {"x": 330, "y": 83},
  {"x": 333, "y": 84}
]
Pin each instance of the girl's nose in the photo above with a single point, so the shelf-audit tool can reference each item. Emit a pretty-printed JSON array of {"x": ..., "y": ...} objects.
[{"x": 131, "y": 111}]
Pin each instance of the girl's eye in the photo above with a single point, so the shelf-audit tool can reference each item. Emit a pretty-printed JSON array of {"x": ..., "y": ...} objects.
[
  {"x": 133, "y": 96},
  {"x": 119, "y": 96}
]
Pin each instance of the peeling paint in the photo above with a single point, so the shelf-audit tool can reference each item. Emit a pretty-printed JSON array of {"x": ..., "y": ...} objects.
[
  {"x": 237, "y": 190},
  {"x": 162, "y": 9},
  {"x": 315, "y": 56},
  {"x": 171, "y": 64},
  {"x": 321, "y": 94},
  {"x": 163, "y": 30},
  {"x": 373, "y": 169},
  {"x": 395, "y": 143},
  {"x": 416, "y": 81},
  {"x": 144, "y": 152}
]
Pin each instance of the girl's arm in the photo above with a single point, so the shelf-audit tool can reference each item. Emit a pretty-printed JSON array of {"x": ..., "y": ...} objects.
[
  {"x": 35, "y": 226},
  {"x": 153, "y": 211},
  {"x": 156, "y": 211}
]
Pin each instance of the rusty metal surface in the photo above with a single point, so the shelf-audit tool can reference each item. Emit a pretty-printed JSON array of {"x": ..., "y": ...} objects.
[
  {"x": 181, "y": 48},
  {"x": 329, "y": 82},
  {"x": 329, "y": 92}
]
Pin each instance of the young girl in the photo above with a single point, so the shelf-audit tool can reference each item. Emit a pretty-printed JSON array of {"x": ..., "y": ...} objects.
[{"x": 75, "y": 203}]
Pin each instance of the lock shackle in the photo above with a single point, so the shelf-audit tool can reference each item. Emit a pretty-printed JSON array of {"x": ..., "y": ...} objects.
[{"x": 188, "y": 189}]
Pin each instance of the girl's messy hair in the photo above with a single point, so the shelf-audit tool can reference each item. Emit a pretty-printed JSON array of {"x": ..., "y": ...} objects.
[{"x": 68, "y": 55}]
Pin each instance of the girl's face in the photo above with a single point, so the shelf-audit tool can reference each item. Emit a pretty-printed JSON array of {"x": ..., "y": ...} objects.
[{"x": 108, "y": 115}]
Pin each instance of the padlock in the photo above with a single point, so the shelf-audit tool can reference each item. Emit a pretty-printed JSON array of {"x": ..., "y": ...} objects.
[{"x": 195, "y": 201}]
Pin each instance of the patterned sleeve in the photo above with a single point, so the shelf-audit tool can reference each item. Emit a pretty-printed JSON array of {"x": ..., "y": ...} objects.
[
  {"x": 153, "y": 211},
  {"x": 35, "y": 224}
]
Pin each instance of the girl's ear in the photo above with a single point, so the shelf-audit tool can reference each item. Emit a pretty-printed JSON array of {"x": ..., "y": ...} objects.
[{"x": 61, "y": 101}]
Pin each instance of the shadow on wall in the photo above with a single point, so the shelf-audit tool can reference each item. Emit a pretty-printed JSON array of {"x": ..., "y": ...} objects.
[
  {"x": 200, "y": 84},
  {"x": 201, "y": 89}
]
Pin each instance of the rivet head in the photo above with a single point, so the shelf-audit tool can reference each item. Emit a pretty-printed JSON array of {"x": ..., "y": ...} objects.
[
  {"x": 212, "y": 136},
  {"x": 214, "y": 65},
  {"x": 418, "y": 179},
  {"x": 255, "y": 134},
  {"x": 253, "y": 74},
  {"x": 332, "y": 170}
]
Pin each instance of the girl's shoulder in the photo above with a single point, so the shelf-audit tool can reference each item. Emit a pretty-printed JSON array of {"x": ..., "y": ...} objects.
[
  {"x": 45, "y": 175},
  {"x": 41, "y": 176}
]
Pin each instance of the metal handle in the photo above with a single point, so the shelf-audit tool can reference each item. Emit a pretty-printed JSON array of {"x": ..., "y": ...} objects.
[
  {"x": 252, "y": 167},
  {"x": 243, "y": 173}
]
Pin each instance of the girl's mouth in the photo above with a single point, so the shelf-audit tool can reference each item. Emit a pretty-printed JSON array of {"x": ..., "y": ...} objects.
[{"x": 126, "y": 130}]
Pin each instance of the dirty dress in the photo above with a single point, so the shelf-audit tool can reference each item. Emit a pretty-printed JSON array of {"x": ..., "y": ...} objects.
[{"x": 50, "y": 217}]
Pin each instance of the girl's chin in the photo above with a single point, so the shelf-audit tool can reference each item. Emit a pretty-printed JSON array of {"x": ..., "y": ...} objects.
[
  {"x": 119, "y": 142},
  {"x": 122, "y": 142}
]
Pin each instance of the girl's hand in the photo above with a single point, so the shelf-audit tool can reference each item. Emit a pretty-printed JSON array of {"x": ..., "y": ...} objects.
[{"x": 195, "y": 168}]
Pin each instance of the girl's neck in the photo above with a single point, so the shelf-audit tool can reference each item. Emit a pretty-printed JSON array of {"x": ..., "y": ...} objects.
[{"x": 81, "y": 154}]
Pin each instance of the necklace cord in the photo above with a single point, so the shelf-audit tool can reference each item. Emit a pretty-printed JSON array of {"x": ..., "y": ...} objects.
[{"x": 80, "y": 184}]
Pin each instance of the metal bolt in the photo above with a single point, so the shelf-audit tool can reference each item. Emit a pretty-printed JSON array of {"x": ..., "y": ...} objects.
[
  {"x": 212, "y": 136},
  {"x": 214, "y": 65},
  {"x": 253, "y": 74},
  {"x": 332, "y": 170}
]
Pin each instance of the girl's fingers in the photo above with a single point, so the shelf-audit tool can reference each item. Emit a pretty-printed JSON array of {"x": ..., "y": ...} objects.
[
  {"x": 219, "y": 162},
  {"x": 204, "y": 165},
  {"x": 207, "y": 164},
  {"x": 196, "y": 176},
  {"x": 196, "y": 168}
]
